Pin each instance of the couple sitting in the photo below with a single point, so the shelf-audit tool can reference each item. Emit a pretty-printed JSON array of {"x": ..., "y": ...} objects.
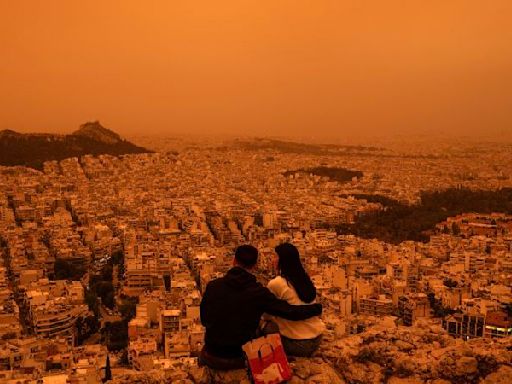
[{"x": 233, "y": 305}]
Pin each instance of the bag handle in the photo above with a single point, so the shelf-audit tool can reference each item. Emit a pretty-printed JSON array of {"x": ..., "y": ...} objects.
[{"x": 262, "y": 345}]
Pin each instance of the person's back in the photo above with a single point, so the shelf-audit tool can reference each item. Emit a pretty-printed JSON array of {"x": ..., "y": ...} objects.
[
  {"x": 232, "y": 306},
  {"x": 230, "y": 310},
  {"x": 300, "y": 338},
  {"x": 299, "y": 330}
]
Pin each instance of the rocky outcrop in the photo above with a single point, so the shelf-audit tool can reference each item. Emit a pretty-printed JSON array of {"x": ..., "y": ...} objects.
[
  {"x": 314, "y": 371},
  {"x": 421, "y": 354},
  {"x": 94, "y": 130},
  {"x": 502, "y": 376},
  {"x": 32, "y": 150},
  {"x": 384, "y": 353}
]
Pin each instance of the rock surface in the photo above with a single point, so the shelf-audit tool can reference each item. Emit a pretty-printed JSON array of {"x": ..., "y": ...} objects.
[
  {"x": 502, "y": 376},
  {"x": 382, "y": 354},
  {"x": 420, "y": 354}
]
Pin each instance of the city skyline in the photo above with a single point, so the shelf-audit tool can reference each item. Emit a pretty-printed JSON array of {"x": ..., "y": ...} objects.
[{"x": 410, "y": 252}]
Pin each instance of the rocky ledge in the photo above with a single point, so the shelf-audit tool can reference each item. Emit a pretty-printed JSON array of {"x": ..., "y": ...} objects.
[{"x": 385, "y": 353}]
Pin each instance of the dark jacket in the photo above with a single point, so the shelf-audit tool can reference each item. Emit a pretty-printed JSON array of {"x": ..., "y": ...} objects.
[{"x": 232, "y": 307}]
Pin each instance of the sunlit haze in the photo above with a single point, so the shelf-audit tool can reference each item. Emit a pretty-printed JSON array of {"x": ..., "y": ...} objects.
[
  {"x": 297, "y": 68},
  {"x": 240, "y": 191}
]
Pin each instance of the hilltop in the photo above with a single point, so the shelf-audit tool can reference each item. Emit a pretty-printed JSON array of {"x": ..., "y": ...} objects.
[
  {"x": 32, "y": 150},
  {"x": 94, "y": 130}
]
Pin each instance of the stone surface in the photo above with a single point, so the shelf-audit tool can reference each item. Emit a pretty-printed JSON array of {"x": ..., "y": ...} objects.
[
  {"x": 399, "y": 355},
  {"x": 400, "y": 380},
  {"x": 315, "y": 371},
  {"x": 502, "y": 376},
  {"x": 295, "y": 380},
  {"x": 199, "y": 375},
  {"x": 423, "y": 354},
  {"x": 467, "y": 365},
  {"x": 238, "y": 376}
]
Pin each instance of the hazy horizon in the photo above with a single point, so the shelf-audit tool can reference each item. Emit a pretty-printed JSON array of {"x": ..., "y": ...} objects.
[{"x": 323, "y": 69}]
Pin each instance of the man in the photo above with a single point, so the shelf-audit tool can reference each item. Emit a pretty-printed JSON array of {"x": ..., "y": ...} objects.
[{"x": 232, "y": 307}]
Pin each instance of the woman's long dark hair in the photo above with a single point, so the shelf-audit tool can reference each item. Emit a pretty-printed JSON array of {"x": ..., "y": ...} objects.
[{"x": 291, "y": 269}]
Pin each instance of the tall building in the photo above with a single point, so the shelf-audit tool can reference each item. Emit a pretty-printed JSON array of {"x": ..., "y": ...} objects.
[
  {"x": 465, "y": 325},
  {"x": 170, "y": 321},
  {"x": 376, "y": 306},
  {"x": 412, "y": 307},
  {"x": 498, "y": 324}
]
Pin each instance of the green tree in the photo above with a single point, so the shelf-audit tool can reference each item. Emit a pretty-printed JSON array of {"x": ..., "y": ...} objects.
[
  {"x": 108, "y": 371},
  {"x": 117, "y": 335},
  {"x": 92, "y": 300},
  {"x": 63, "y": 270},
  {"x": 106, "y": 273},
  {"x": 117, "y": 257},
  {"x": 455, "y": 229},
  {"x": 105, "y": 290},
  {"x": 450, "y": 283},
  {"x": 8, "y": 336},
  {"x": 127, "y": 307}
]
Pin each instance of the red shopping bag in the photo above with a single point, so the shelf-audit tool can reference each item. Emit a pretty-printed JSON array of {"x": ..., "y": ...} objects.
[{"x": 267, "y": 360}]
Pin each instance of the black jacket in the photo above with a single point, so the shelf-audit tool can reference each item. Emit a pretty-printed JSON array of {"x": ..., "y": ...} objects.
[{"x": 232, "y": 307}]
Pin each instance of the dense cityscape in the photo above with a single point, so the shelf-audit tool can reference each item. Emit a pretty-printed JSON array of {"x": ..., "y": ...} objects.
[{"x": 104, "y": 259}]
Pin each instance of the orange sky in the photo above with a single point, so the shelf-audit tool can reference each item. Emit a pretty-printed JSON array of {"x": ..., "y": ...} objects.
[{"x": 282, "y": 67}]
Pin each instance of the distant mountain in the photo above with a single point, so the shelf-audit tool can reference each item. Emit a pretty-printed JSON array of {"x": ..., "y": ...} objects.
[
  {"x": 9, "y": 133},
  {"x": 94, "y": 130},
  {"x": 311, "y": 149},
  {"x": 32, "y": 150}
]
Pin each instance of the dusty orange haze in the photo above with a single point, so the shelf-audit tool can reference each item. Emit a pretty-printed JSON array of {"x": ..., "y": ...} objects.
[{"x": 280, "y": 67}]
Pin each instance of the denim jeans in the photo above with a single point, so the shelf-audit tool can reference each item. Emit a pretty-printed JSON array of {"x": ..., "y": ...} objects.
[{"x": 301, "y": 348}]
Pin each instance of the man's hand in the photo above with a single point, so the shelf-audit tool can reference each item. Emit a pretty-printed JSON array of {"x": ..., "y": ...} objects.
[{"x": 281, "y": 308}]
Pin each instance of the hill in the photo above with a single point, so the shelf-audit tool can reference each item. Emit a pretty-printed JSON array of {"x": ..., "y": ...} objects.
[
  {"x": 311, "y": 149},
  {"x": 94, "y": 130},
  {"x": 32, "y": 150}
]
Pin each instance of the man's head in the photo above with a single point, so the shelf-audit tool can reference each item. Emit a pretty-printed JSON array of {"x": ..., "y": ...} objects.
[{"x": 246, "y": 256}]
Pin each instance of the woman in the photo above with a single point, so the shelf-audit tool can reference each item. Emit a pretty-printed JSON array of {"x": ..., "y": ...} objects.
[{"x": 300, "y": 338}]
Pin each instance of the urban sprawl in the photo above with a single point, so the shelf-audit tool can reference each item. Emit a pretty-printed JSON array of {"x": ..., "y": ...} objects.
[{"x": 104, "y": 259}]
